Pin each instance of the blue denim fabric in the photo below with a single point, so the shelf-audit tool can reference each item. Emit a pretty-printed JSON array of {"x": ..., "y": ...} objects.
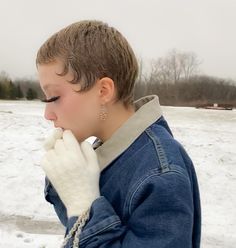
[{"x": 149, "y": 197}]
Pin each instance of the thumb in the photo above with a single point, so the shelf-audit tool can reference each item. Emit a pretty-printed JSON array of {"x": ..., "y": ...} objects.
[{"x": 89, "y": 153}]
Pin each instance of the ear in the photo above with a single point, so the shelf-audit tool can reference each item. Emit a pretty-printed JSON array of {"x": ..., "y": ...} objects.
[{"x": 106, "y": 89}]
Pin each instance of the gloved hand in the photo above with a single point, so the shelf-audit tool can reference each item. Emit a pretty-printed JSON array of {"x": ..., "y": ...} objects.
[
  {"x": 51, "y": 140},
  {"x": 73, "y": 170}
]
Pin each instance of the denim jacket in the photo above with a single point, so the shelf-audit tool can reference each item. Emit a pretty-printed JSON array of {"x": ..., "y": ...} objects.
[{"x": 148, "y": 185}]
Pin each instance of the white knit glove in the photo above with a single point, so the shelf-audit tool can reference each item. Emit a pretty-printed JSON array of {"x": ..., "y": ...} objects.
[
  {"x": 51, "y": 140},
  {"x": 73, "y": 170}
]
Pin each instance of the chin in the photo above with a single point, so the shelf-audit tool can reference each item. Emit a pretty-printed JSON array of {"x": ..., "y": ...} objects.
[
  {"x": 80, "y": 138},
  {"x": 80, "y": 135}
]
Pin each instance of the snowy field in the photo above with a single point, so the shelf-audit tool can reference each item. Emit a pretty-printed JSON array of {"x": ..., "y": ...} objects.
[{"x": 26, "y": 220}]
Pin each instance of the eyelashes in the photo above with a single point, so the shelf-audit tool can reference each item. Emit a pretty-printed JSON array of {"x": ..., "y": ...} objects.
[{"x": 53, "y": 99}]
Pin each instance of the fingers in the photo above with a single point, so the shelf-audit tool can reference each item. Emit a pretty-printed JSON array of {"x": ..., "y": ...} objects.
[
  {"x": 70, "y": 141},
  {"x": 48, "y": 162},
  {"x": 89, "y": 153},
  {"x": 59, "y": 147},
  {"x": 50, "y": 142},
  {"x": 64, "y": 145},
  {"x": 45, "y": 164}
]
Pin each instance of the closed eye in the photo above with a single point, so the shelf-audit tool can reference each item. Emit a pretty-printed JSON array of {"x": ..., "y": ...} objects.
[{"x": 52, "y": 99}]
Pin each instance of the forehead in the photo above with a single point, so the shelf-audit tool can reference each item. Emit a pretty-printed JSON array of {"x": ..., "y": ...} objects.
[{"x": 49, "y": 75}]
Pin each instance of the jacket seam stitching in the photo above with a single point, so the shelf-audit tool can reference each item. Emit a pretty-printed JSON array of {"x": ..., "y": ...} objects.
[
  {"x": 145, "y": 179},
  {"x": 100, "y": 230},
  {"x": 160, "y": 151}
]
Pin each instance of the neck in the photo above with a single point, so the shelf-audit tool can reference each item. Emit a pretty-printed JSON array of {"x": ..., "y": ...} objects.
[{"x": 117, "y": 115}]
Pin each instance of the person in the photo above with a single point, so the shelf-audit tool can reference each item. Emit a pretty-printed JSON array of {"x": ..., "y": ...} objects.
[{"x": 135, "y": 186}]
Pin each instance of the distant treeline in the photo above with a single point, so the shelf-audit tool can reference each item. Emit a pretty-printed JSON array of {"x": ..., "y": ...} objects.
[
  {"x": 195, "y": 91},
  {"x": 175, "y": 78},
  {"x": 19, "y": 89}
]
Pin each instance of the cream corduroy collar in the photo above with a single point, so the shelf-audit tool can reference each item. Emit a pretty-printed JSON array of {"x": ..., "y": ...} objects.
[{"x": 147, "y": 111}]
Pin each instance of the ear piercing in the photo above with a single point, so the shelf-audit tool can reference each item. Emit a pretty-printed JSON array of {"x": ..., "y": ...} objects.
[{"x": 103, "y": 113}]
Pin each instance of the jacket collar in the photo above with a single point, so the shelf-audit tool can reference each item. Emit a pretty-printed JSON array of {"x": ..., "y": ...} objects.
[{"x": 147, "y": 111}]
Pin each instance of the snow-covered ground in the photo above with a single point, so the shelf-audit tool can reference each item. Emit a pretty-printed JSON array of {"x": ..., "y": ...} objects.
[{"x": 26, "y": 220}]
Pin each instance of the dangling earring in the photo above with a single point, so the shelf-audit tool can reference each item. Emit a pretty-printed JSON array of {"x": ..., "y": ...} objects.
[{"x": 103, "y": 113}]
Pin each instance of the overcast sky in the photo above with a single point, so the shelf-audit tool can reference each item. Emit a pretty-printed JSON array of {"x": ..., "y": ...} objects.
[{"x": 153, "y": 27}]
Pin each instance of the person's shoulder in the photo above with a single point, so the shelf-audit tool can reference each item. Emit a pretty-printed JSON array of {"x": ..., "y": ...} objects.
[
  {"x": 157, "y": 149},
  {"x": 161, "y": 135}
]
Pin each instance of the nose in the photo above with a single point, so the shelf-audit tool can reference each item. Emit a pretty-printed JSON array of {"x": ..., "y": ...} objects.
[{"x": 49, "y": 114}]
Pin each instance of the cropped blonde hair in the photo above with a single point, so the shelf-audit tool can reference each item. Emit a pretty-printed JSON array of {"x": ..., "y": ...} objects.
[{"x": 92, "y": 50}]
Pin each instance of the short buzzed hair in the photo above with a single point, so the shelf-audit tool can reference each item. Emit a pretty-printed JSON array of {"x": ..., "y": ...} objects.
[{"x": 92, "y": 50}]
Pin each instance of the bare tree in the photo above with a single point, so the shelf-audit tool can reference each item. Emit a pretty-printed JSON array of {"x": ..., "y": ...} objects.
[
  {"x": 175, "y": 66},
  {"x": 189, "y": 64},
  {"x": 142, "y": 81}
]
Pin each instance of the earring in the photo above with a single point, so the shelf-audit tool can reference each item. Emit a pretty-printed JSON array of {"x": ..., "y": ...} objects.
[{"x": 103, "y": 113}]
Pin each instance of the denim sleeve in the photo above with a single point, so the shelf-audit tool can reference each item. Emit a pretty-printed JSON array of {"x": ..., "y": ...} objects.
[
  {"x": 52, "y": 197},
  {"x": 159, "y": 214}
]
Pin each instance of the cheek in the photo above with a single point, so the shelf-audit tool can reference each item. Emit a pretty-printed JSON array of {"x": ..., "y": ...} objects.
[
  {"x": 89, "y": 112},
  {"x": 83, "y": 111}
]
